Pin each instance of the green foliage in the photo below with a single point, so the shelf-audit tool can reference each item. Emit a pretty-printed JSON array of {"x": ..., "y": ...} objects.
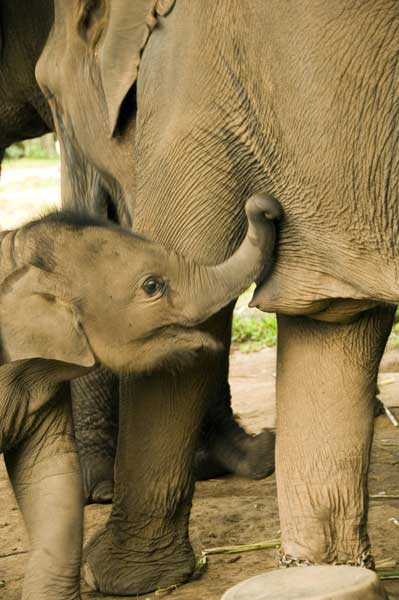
[
  {"x": 29, "y": 163},
  {"x": 38, "y": 148},
  {"x": 34, "y": 149},
  {"x": 31, "y": 149},
  {"x": 15, "y": 151},
  {"x": 393, "y": 341},
  {"x": 254, "y": 333}
]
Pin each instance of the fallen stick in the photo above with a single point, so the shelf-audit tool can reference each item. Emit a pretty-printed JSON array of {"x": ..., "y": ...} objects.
[
  {"x": 388, "y": 574},
  {"x": 386, "y": 563},
  {"x": 388, "y": 382},
  {"x": 166, "y": 591},
  {"x": 243, "y": 548},
  {"x": 390, "y": 416},
  {"x": 14, "y": 553},
  {"x": 202, "y": 562},
  {"x": 384, "y": 496}
]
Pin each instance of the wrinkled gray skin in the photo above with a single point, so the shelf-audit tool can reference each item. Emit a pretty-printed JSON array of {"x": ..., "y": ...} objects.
[
  {"x": 132, "y": 306},
  {"x": 296, "y": 98},
  {"x": 24, "y": 113}
]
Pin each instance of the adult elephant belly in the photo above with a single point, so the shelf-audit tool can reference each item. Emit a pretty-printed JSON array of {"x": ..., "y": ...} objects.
[{"x": 331, "y": 291}]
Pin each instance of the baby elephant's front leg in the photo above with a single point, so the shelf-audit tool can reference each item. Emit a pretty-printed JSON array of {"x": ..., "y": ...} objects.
[{"x": 45, "y": 474}]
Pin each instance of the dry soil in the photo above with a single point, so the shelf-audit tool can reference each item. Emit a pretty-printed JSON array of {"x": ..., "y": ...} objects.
[{"x": 233, "y": 510}]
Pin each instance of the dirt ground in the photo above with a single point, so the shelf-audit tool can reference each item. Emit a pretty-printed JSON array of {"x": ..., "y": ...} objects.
[
  {"x": 27, "y": 192},
  {"x": 232, "y": 510}
]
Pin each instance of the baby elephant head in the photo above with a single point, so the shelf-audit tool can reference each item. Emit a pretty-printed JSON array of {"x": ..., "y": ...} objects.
[{"x": 80, "y": 291}]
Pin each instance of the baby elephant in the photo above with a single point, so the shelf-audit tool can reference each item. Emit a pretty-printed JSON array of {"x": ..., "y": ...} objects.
[{"x": 76, "y": 292}]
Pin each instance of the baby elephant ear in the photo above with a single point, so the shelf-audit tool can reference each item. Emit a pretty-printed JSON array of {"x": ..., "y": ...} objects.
[{"x": 37, "y": 324}]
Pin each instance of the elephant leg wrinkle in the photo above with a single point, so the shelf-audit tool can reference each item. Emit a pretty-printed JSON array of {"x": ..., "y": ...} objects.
[
  {"x": 324, "y": 433},
  {"x": 45, "y": 474},
  {"x": 145, "y": 545}
]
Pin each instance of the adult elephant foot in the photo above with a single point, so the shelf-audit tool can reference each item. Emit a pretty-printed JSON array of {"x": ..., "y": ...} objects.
[
  {"x": 326, "y": 383},
  {"x": 234, "y": 451},
  {"x": 95, "y": 400},
  {"x": 225, "y": 447},
  {"x": 139, "y": 570}
]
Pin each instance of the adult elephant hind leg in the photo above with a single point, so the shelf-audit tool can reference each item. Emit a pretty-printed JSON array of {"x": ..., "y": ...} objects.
[
  {"x": 95, "y": 399},
  {"x": 326, "y": 383},
  {"x": 225, "y": 446},
  {"x": 45, "y": 474}
]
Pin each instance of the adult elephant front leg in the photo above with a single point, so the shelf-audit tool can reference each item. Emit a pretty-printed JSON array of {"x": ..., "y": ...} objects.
[
  {"x": 145, "y": 545},
  {"x": 326, "y": 383}
]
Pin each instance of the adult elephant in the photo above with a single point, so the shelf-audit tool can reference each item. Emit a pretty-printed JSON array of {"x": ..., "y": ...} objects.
[
  {"x": 24, "y": 113},
  {"x": 22, "y": 106},
  {"x": 233, "y": 96}
]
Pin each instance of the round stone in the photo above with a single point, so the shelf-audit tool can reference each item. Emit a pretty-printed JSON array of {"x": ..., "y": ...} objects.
[{"x": 310, "y": 583}]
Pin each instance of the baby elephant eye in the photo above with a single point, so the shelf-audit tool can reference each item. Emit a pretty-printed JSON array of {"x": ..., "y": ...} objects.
[{"x": 154, "y": 286}]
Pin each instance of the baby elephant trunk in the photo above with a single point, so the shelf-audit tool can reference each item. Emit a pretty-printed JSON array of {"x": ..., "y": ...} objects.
[{"x": 215, "y": 286}]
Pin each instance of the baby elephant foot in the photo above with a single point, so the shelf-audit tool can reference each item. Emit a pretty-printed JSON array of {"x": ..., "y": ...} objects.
[
  {"x": 130, "y": 570},
  {"x": 236, "y": 452},
  {"x": 98, "y": 480}
]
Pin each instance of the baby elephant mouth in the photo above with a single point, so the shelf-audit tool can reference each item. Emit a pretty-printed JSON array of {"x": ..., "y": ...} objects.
[{"x": 173, "y": 348}]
